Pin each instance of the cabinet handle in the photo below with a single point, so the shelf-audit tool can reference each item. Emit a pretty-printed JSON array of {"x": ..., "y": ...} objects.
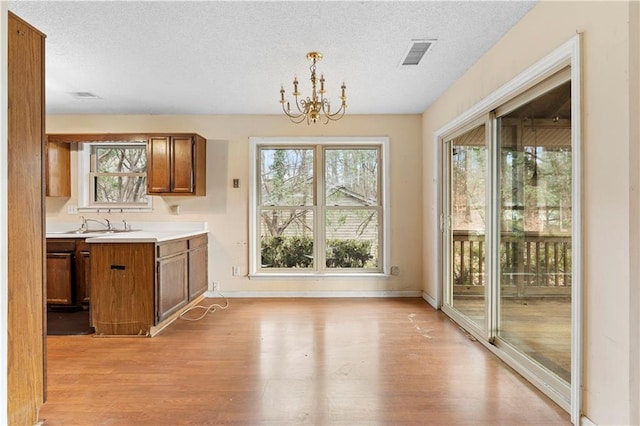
[{"x": 118, "y": 267}]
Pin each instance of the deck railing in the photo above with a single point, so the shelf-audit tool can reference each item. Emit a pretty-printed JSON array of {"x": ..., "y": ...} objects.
[{"x": 530, "y": 264}]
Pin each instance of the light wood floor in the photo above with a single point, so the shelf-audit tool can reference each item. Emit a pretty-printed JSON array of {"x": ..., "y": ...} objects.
[{"x": 292, "y": 362}]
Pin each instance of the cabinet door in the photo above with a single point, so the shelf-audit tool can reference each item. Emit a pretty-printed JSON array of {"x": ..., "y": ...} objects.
[
  {"x": 122, "y": 288},
  {"x": 200, "y": 166},
  {"x": 58, "y": 169},
  {"x": 172, "y": 285},
  {"x": 83, "y": 275},
  {"x": 159, "y": 164},
  {"x": 182, "y": 165},
  {"x": 197, "y": 272},
  {"x": 59, "y": 278}
]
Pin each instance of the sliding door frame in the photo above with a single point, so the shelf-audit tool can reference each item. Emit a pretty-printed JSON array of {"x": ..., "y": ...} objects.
[
  {"x": 446, "y": 220},
  {"x": 568, "y": 54}
]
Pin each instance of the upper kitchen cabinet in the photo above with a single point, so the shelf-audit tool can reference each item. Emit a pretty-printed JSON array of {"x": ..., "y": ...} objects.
[
  {"x": 176, "y": 165},
  {"x": 58, "y": 169}
]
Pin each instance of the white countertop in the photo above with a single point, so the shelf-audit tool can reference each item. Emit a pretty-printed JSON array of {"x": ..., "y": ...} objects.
[
  {"x": 143, "y": 236},
  {"x": 144, "y": 232}
]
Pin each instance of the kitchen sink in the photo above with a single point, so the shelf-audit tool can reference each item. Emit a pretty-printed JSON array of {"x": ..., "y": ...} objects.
[{"x": 94, "y": 231}]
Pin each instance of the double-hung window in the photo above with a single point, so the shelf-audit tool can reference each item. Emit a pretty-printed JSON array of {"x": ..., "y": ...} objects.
[
  {"x": 318, "y": 206},
  {"x": 113, "y": 175}
]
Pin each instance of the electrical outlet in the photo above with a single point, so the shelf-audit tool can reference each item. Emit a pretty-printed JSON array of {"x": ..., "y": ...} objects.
[
  {"x": 235, "y": 271},
  {"x": 72, "y": 209},
  {"x": 216, "y": 286}
]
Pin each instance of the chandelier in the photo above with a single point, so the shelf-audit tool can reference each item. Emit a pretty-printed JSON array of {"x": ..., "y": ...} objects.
[{"x": 317, "y": 107}]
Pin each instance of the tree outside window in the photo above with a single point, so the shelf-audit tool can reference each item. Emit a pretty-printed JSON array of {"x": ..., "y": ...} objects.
[
  {"x": 118, "y": 175},
  {"x": 319, "y": 208}
]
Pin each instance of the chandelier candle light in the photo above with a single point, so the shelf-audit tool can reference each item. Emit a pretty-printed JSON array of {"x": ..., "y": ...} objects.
[{"x": 317, "y": 106}]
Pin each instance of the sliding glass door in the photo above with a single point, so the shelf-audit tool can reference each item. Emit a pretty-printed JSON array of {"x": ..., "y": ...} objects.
[
  {"x": 466, "y": 215},
  {"x": 534, "y": 215},
  {"x": 507, "y": 229}
]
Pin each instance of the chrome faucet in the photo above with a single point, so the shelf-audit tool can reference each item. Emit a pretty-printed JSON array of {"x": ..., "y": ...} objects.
[{"x": 85, "y": 226}]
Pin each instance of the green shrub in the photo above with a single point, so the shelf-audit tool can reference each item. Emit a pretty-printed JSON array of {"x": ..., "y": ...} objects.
[
  {"x": 348, "y": 253},
  {"x": 287, "y": 252},
  {"x": 297, "y": 252}
]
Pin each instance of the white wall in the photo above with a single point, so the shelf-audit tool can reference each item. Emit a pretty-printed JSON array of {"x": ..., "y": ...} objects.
[
  {"x": 634, "y": 165},
  {"x": 610, "y": 159},
  {"x": 226, "y": 209}
]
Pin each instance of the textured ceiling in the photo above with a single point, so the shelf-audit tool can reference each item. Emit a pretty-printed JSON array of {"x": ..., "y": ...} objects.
[{"x": 213, "y": 57}]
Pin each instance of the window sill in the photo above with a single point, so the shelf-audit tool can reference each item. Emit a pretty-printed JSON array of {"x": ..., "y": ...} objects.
[{"x": 315, "y": 275}]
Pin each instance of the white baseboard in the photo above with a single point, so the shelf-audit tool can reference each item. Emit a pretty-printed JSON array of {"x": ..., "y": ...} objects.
[
  {"x": 430, "y": 300},
  {"x": 584, "y": 421},
  {"x": 323, "y": 294}
]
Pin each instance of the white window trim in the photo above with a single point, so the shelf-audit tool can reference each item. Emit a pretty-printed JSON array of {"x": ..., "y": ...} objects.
[
  {"x": 84, "y": 190},
  {"x": 254, "y": 142}
]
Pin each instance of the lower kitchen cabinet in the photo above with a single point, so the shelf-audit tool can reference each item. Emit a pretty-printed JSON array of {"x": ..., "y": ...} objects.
[
  {"x": 122, "y": 288},
  {"x": 60, "y": 278},
  {"x": 172, "y": 279},
  {"x": 67, "y": 272},
  {"x": 198, "y": 261},
  {"x": 137, "y": 288},
  {"x": 83, "y": 276}
]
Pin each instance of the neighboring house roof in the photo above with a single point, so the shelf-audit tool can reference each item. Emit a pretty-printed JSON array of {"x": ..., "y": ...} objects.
[{"x": 337, "y": 190}]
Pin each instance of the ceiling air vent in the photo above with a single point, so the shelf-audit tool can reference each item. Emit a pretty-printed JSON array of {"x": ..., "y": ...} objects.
[
  {"x": 84, "y": 95},
  {"x": 417, "y": 49}
]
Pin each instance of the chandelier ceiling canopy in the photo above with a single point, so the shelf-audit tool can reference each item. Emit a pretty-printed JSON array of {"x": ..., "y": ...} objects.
[{"x": 315, "y": 107}]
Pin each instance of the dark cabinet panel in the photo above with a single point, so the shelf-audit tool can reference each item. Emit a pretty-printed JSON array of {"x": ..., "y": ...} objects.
[
  {"x": 122, "y": 288},
  {"x": 72, "y": 276},
  {"x": 182, "y": 166},
  {"x": 58, "y": 169},
  {"x": 60, "y": 278},
  {"x": 198, "y": 265},
  {"x": 159, "y": 164},
  {"x": 172, "y": 285},
  {"x": 83, "y": 277},
  {"x": 176, "y": 165}
]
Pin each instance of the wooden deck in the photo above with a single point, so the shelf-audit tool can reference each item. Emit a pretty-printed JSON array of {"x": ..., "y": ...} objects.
[
  {"x": 539, "y": 326},
  {"x": 293, "y": 362}
]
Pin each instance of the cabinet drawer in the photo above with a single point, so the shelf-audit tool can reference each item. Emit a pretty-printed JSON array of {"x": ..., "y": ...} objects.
[
  {"x": 199, "y": 241},
  {"x": 59, "y": 245},
  {"x": 173, "y": 247}
]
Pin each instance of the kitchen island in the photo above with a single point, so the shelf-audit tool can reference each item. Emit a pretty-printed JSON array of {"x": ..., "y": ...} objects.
[{"x": 140, "y": 281}]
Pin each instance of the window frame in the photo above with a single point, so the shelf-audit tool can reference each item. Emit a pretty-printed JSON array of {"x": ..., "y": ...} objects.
[
  {"x": 86, "y": 174},
  {"x": 319, "y": 207}
]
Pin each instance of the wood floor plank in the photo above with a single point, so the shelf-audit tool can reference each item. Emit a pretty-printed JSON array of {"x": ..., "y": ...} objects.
[{"x": 292, "y": 362}]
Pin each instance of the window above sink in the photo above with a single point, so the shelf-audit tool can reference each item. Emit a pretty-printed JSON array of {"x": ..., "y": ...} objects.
[{"x": 112, "y": 176}]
